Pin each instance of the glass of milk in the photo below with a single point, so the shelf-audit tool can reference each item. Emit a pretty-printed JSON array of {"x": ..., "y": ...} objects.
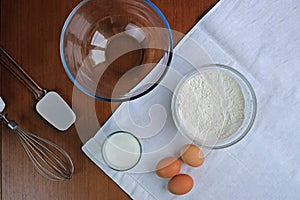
[{"x": 121, "y": 151}]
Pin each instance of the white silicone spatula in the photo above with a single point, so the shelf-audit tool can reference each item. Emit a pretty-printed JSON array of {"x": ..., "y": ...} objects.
[
  {"x": 2, "y": 105},
  {"x": 51, "y": 106}
]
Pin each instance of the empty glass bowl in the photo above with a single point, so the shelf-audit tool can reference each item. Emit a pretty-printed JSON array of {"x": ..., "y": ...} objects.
[{"x": 108, "y": 47}]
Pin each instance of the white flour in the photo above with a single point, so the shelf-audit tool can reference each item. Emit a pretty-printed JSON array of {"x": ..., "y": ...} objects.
[{"x": 211, "y": 105}]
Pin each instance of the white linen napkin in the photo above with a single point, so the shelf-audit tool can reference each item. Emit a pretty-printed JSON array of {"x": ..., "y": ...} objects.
[{"x": 261, "y": 40}]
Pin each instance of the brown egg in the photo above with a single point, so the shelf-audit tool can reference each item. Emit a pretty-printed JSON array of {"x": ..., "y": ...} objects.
[
  {"x": 168, "y": 167},
  {"x": 180, "y": 184},
  {"x": 192, "y": 155}
]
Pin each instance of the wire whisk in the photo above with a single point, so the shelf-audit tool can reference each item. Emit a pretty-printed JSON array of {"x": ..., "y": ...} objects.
[{"x": 50, "y": 160}]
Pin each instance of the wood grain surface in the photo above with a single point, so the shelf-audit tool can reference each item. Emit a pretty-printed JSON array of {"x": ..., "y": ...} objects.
[{"x": 30, "y": 31}]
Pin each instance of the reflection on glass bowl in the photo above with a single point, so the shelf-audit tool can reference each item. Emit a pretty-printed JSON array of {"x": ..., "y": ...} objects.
[{"x": 108, "y": 47}]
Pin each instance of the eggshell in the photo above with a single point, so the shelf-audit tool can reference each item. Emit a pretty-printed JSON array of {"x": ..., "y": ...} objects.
[
  {"x": 180, "y": 184},
  {"x": 168, "y": 167},
  {"x": 192, "y": 155}
]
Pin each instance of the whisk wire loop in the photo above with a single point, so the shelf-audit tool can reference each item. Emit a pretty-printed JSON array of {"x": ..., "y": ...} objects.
[{"x": 50, "y": 160}]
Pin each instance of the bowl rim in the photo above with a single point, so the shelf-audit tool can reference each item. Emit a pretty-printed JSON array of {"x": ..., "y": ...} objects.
[
  {"x": 78, "y": 85},
  {"x": 249, "y": 87}
]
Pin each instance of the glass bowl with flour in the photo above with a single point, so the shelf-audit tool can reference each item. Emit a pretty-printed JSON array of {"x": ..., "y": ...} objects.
[{"x": 214, "y": 106}]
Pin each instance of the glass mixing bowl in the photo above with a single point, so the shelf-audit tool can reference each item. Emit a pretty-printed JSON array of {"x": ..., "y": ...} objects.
[
  {"x": 108, "y": 47},
  {"x": 249, "y": 112}
]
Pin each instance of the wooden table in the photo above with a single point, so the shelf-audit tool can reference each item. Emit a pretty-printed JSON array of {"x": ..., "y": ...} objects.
[{"x": 30, "y": 32}]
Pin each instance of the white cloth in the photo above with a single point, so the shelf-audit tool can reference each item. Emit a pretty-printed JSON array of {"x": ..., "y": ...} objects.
[{"x": 261, "y": 40}]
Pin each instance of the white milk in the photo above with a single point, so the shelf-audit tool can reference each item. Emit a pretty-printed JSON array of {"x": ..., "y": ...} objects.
[{"x": 121, "y": 151}]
